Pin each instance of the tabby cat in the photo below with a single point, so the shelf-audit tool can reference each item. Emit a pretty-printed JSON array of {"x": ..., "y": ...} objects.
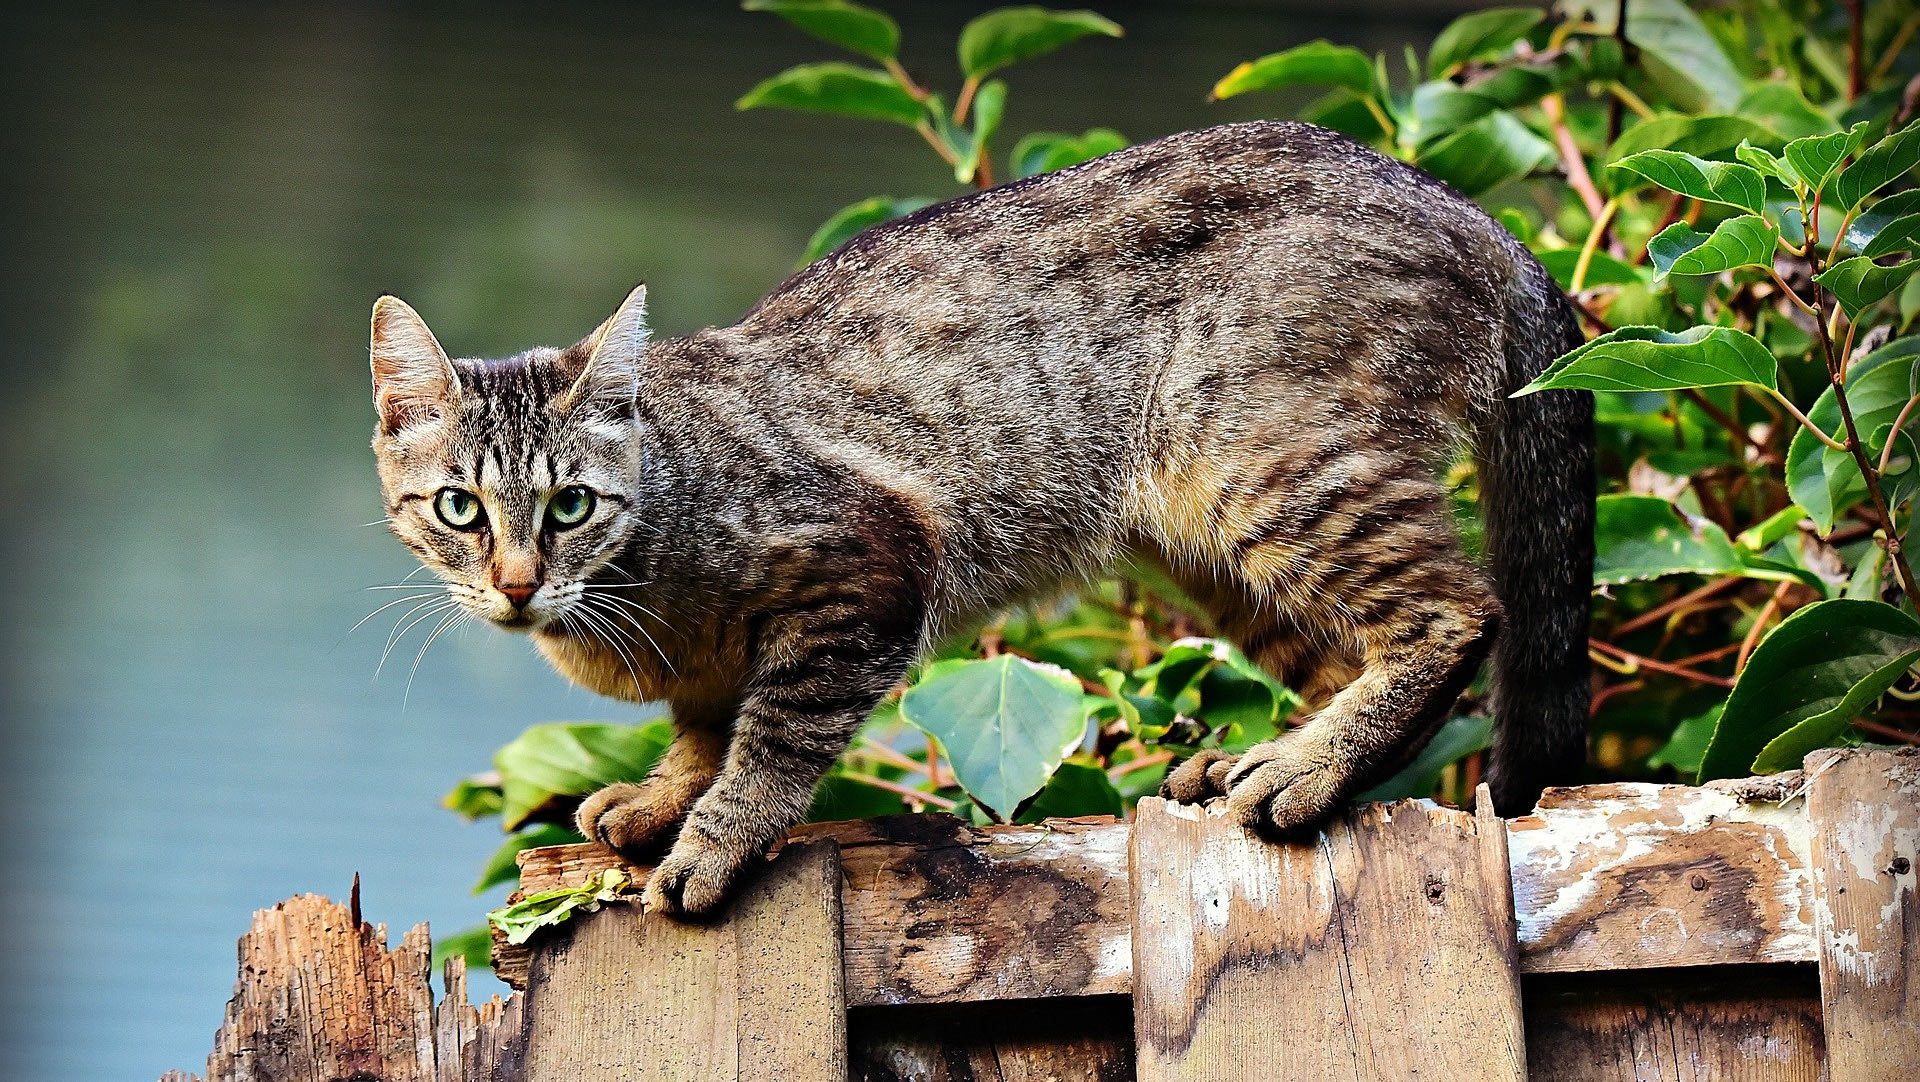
[{"x": 1245, "y": 353}]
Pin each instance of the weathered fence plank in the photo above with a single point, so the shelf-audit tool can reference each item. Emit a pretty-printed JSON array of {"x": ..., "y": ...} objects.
[
  {"x": 476, "y": 1044},
  {"x": 941, "y": 912},
  {"x": 1088, "y": 1039},
  {"x": 1324, "y": 960},
  {"x": 1750, "y": 1024},
  {"x": 629, "y": 996},
  {"x": 1866, "y": 819},
  {"x": 1645, "y": 876}
]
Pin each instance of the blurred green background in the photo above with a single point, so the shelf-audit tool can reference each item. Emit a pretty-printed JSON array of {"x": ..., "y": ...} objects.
[{"x": 201, "y": 204}]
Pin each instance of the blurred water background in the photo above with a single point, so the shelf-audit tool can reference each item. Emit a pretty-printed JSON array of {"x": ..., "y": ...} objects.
[{"x": 200, "y": 205}]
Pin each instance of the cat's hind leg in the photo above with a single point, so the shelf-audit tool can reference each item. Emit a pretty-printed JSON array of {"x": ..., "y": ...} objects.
[{"x": 1384, "y": 571}]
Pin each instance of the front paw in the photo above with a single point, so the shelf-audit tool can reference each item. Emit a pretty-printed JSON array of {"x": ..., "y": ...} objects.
[
  {"x": 626, "y": 818},
  {"x": 1283, "y": 786},
  {"x": 696, "y": 877},
  {"x": 1199, "y": 779}
]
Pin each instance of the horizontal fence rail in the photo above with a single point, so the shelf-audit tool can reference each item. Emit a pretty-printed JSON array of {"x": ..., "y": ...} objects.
[{"x": 1761, "y": 931}]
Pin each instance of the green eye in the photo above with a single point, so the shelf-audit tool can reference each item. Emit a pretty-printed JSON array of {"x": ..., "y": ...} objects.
[
  {"x": 459, "y": 509},
  {"x": 570, "y": 506}
]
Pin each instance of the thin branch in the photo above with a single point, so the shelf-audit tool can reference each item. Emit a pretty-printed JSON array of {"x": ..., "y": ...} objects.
[
  {"x": 1655, "y": 615},
  {"x": 1856, "y": 69},
  {"x": 1760, "y": 623},
  {"x": 1570, "y": 157},
  {"x": 1801, "y": 417},
  {"x": 965, "y": 101},
  {"x": 900, "y": 76},
  {"x": 1895, "y": 47},
  {"x": 1887, "y": 731},
  {"x": 1633, "y": 662},
  {"x": 1594, "y": 235},
  {"x": 1900, "y": 422},
  {"x": 911, "y": 794},
  {"x": 1693, "y": 395},
  {"x": 1115, "y": 773}
]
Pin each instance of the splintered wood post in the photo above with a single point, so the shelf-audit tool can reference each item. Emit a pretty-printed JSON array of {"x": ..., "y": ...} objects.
[
  {"x": 1865, "y": 812},
  {"x": 628, "y": 996},
  {"x": 1383, "y": 951}
]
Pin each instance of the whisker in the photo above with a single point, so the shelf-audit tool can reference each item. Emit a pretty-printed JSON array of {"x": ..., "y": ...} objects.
[
  {"x": 587, "y": 601},
  {"x": 381, "y": 609},
  {"x": 413, "y": 586},
  {"x": 451, "y": 621},
  {"x": 400, "y": 631},
  {"x": 610, "y": 631},
  {"x": 645, "y": 611}
]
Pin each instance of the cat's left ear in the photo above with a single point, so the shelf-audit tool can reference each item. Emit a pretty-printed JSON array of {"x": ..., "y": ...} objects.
[
  {"x": 413, "y": 381},
  {"x": 611, "y": 373}
]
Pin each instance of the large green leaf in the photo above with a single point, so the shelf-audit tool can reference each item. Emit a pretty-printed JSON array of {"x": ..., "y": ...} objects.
[
  {"x": 1651, "y": 359},
  {"x": 1783, "y": 108},
  {"x": 1009, "y": 35},
  {"x": 1646, "y": 537},
  {"x": 1317, "y": 63},
  {"x": 1479, "y": 34},
  {"x": 1490, "y": 151},
  {"x": 1860, "y": 283},
  {"x": 851, "y": 220},
  {"x": 1824, "y": 481},
  {"x": 1005, "y": 723},
  {"x": 562, "y": 759},
  {"x": 1688, "y": 744},
  {"x": 1807, "y": 681},
  {"x": 504, "y": 865},
  {"x": 1677, "y": 51},
  {"x": 1879, "y": 166},
  {"x": 1075, "y": 789},
  {"x": 1709, "y": 136},
  {"x": 1602, "y": 269},
  {"x": 1043, "y": 152},
  {"x": 1743, "y": 241},
  {"x": 862, "y": 30},
  {"x": 473, "y": 945},
  {"x": 840, "y": 89},
  {"x": 1888, "y": 226},
  {"x": 1816, "y": 158},
  {"x": 1730, "y": 183},
  {"x": 1458, "y": 738}
]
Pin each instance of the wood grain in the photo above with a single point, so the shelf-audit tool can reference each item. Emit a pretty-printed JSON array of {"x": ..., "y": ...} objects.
[
  {"x": 1865, "y": 808},
  {"x": 1324, "y": 959},
  {"x": 630, "y": 996},
  {"x": 1624, "y": 876},
  {"x": 1744, "y": 1024},
  {"x": 320, "y": 997},
  {"x": 1085, "y": 1039},
  {"x": 476, "y": 1044}
]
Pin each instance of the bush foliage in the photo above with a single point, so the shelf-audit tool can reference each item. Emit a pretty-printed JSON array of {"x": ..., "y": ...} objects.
[{"x": 1726, "y": 192}]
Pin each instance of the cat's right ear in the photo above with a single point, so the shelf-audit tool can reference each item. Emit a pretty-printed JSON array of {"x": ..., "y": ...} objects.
[{"x": 413, "y": 381}]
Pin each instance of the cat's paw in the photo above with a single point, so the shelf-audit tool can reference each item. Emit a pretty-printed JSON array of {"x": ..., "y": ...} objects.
[
  {"x": 1283, "y": 786},
  {"x": 696, "y": 876},
  {"x": 629, "y": 819},
  {"x": 1198, "y": 779}
]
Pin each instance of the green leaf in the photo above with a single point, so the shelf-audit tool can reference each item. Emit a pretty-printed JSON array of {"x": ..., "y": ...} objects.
[
  {"x": 849, "y": 221},
  {"x": 1887, "y": 226},
  {"x": 857, "y": 29},
  {"x": 1457, "y": 739},
  {"x": 1074, "y": 789},
  {"x": 502, "y": 867},
  {"x": 1883, "y": 163},
  {"x": 1765, "y": 163},
  {"x": 1010, "y": 35},
  {"x": 1489, "y": 152},
  {"x": 1646, "y": 537},
  {"x": 1743, "y": 241},
  {"x": 1676, "y": 50},
  {"x": 1714, "y": 182},
  {"x": 1860, "y": 283},
  {"x": 1784, "y": 109},
  {"x": 1765, "y": 534},
  {"x": 1005, "y": 723},
  {"x": 839, "y": 89},
  {"x": 1807, "y": 681},
  {"x": 1700, "y": 136},
  {"x": 1043, "y": 152},
  {"x": 1317, "y": 63},
  {"x": 1816, "y": 158},
  {"x": 1602, "y": 269},
  {"x": 1688, "y": 745},
  {"x": 989, "y": 105},
  {"x": 840, "y": 796},
  {"x": 561, "y": 759},
  {"x": 474, "y": 945},
  {"x": 1479, "y": 34},
  {"x": 1824, "y": 481},
  {"x": 474, "y": 798},
  {"x": 550, "y": 907},
  {"x": 1651, "y": 359}
]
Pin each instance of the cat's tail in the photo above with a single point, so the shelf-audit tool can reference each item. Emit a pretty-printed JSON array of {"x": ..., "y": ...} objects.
[{"x": 1537, "y": 484}]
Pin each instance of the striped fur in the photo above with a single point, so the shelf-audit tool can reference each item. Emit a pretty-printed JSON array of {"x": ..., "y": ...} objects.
[{"x": 1244, "y": 352}]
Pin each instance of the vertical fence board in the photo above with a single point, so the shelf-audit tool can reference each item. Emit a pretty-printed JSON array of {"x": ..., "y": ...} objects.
[
  {"x": 1324, "y": 960},
  {"x": 1865, "y": 812},
  {"x": 636, "y": 997},
  {"x": 1078, "y": 1039},
  {"x": 476, "y": 1044},
  {"x": 1713, "y": 1024}
]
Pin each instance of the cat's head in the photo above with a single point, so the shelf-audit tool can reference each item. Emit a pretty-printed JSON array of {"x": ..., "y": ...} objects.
[{"x": 513, "y": 480}]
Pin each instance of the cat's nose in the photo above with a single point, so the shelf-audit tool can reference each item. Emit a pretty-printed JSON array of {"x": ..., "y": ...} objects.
[{"x": 518, "y": 592}]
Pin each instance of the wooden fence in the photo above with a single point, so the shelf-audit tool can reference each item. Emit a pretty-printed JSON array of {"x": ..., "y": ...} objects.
[{"x": 1756, "y": 932}]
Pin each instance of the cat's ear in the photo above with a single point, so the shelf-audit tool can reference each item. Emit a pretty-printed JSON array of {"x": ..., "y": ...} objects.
[
  {"x": 413, "y": 380},
  {"x": 611, "y": 371}
]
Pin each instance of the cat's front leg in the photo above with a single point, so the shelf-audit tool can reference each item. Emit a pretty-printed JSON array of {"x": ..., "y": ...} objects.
[
  {"x": 639, "y": 820},
  {"x": 819, "y": 679}
]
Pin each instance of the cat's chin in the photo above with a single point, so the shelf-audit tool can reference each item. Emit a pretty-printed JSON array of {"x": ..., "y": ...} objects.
[{"x": 521, "y": 623}]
